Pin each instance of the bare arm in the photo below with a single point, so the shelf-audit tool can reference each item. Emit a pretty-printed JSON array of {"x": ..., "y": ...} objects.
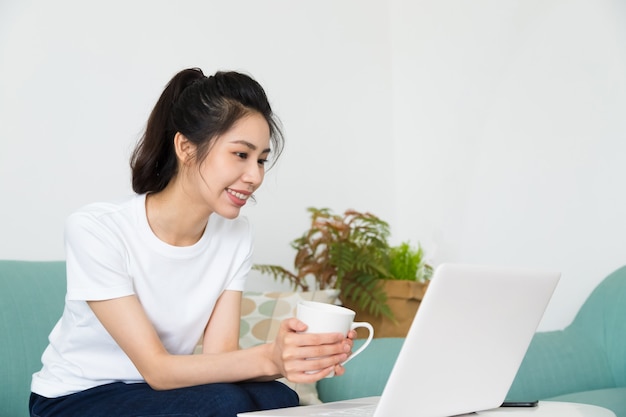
[
  {"x": 221, "y": 361},
  {"x": 222, "y": 331}
]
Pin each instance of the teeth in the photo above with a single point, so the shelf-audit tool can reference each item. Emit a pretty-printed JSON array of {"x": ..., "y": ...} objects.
[{"x": 238, "y": 195}]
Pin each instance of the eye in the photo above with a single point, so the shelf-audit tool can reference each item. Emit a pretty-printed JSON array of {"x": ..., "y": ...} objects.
[
  {"x": 242, "y": 155},
  {"x": 262, "y": 161}
]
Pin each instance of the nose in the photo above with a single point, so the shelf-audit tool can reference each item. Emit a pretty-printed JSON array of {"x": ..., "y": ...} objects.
[{"x": 254, "y": 175}]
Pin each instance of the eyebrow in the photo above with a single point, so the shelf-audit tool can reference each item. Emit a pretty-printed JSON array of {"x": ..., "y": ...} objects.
[{"x": 250, "y": 146}]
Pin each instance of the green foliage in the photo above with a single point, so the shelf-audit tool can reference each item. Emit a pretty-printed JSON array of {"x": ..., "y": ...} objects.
[
  {"x": 407, "y": 263},
  {"x": 281, "y": 274},
  {"x": 348, "y": 252}
]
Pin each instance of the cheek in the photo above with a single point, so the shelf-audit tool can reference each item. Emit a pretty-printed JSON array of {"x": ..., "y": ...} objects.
[{"x": 212, "y": 169}]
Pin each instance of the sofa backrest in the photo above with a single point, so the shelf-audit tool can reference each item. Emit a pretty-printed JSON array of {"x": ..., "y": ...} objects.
[
  {"x": 589, "y": 354},
  {"x": 31, "y": 301},
  {"x": 602, "y": 318}
]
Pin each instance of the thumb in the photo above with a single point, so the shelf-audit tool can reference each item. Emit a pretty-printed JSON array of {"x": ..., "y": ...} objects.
[{"x": 293, "y": 325}]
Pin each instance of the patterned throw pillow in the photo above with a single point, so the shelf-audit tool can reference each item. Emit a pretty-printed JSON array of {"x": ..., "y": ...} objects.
[{"x": 261, "y": 314}]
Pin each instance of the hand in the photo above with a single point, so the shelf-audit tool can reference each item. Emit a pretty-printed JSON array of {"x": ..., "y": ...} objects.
[
  {"x": 339, "y": 369},
  {"x": 293, "y": 352}
]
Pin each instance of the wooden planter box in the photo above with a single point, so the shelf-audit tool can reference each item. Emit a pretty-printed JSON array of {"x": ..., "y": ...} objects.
[{"x": 404, "y": 298}]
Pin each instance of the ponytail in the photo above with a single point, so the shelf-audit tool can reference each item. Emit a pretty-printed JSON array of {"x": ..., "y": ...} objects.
[{"x": 153, "y": 162}]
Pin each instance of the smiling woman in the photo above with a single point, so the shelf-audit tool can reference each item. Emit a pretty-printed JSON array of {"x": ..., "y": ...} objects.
[
  {"x": 150, "y": 275},
  {"x": 201, "y": 109}
]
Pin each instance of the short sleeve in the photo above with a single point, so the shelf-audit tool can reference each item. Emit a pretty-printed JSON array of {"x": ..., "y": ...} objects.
[
  {"x": 97, "y": 262},
  {"x": 238, "y": 281}
]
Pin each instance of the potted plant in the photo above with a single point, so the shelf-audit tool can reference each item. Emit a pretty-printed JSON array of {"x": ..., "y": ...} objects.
[
  {"x": 347, "y": 252},
  {"x": 405, "y": 287},
  {"x": 351, "y": 252}
]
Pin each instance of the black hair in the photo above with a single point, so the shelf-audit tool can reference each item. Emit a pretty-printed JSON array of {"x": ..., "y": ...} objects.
[{"x": 201, "y": 108}]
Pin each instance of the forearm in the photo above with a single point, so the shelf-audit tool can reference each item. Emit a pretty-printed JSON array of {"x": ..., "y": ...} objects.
[
  {"x": 302, "y": 358},
  {"x": 177, "y": 371}
]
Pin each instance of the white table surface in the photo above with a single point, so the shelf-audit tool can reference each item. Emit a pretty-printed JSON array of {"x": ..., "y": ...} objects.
[
  {"x": 543, "y": 409},
  {"x": 550, "y": 409}
]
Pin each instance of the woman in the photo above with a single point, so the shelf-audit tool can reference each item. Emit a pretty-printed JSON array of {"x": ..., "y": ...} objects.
[{"x": 150, "y": 275}]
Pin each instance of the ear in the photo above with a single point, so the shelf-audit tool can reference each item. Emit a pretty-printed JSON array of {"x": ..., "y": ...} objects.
[{"x": 185, "y": 149}]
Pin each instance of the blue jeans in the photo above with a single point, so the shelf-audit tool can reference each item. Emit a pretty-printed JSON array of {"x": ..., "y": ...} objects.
[{"x": 139, "y": 400}]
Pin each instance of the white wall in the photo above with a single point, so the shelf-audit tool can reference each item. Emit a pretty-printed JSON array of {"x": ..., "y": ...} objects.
[
  {"x": 78, "y": 80},
  {"x": 510, "y": 136},
  {"x": 489, "y": 131}
]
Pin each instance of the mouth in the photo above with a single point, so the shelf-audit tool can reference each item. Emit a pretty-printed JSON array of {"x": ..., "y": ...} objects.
[{"x": 242, "y": 197}]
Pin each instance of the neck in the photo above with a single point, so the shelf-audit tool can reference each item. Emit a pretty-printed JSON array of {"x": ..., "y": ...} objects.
[{"x": 173, "y": 219}]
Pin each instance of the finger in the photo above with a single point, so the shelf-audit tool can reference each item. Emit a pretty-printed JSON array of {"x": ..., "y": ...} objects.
[
  {"x": 317, "y": 339},
  {"x": 317, "y": 365},
  {"x": 297, "y": 340},
  {"x": 339, "y": 369},
  {"x": 293, "y": 325},
  {"x": 319, "y": 351},
  {"x": 311, "y": 377}
]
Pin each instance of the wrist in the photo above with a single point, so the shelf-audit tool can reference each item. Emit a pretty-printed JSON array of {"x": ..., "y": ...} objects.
[{"x": 271, "y": 360}]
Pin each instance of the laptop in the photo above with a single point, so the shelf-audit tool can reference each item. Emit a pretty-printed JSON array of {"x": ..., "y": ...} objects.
[{"x": 463, "y": 349}]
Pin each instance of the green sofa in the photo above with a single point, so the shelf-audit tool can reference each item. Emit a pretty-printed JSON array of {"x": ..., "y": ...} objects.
[{"x": 586, "y": 362}]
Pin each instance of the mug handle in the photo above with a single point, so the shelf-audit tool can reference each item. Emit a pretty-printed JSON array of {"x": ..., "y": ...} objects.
[{"x": 369, "y": 327}]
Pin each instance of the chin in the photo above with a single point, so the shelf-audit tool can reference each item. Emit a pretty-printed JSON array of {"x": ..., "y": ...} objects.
[{"x": 229, "y": 214}]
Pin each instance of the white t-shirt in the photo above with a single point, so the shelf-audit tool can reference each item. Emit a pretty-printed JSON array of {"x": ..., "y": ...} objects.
[{"x": 112, "y": 252}]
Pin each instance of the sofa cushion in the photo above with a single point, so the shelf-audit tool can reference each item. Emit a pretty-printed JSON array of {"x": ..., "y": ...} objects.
[{"x": 559, "y": 362}]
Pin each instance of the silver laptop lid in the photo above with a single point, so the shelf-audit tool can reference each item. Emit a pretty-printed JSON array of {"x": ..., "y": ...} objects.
[{"x": 467, "y": 340}]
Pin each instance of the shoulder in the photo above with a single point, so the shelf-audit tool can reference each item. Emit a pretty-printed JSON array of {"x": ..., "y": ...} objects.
[{"x": 101, "y": 216}]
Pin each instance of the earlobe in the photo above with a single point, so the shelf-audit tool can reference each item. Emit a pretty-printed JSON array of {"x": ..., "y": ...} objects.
[{"x": 185, "y": 149}]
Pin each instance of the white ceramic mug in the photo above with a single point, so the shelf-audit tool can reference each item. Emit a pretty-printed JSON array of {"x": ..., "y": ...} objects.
[{"x": 330, "y": 318}]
